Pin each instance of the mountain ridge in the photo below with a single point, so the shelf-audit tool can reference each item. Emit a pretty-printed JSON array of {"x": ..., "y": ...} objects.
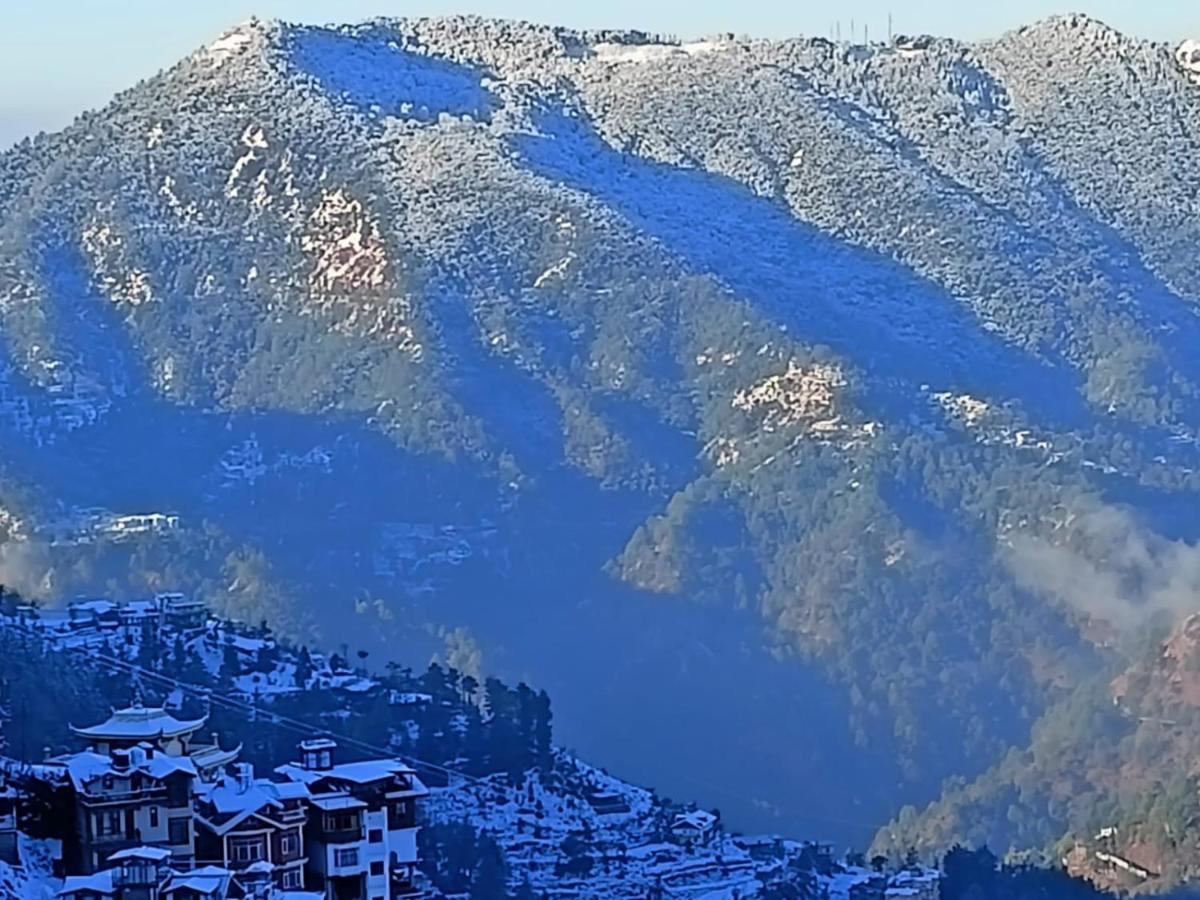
[{"x": 423, "y": 325}]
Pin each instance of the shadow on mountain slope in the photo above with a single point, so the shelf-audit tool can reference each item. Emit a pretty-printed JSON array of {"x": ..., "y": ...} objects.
[
  {"x": 371, "y": 70},
  {"x": 888, "y": 322},
  {"x": 662, "y": 693},
  {"x": 1136, "y": 291}
]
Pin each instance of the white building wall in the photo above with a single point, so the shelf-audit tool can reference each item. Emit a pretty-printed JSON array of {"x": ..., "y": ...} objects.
[
  {"x": 377, "y": 885},
  {"x": 403, "y": 843}
]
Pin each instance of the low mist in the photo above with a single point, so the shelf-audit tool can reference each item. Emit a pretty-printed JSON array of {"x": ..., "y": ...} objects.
[{"x": 1109, "y": 566}]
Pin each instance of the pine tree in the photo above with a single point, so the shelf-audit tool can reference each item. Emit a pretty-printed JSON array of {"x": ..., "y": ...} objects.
[{"x": 491, "y": 874}]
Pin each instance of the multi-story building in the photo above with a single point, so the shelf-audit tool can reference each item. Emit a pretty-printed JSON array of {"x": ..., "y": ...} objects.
[
  {"x": 135, "y": 783},
  {"x": 362, "y": 828},
  {"x": 102, "y": 615},
  {"x": 137, "y": 619},
  {"x": 696, "y": 827},
  {"x": 130, "y": 798},
  {"x": 130, "y": 727},
  {"x": 180, "y": 612},
  {"x": 136, "y": 873},
  {"x": 245, "y": 824},
  {"x": 146, "y": 873}
]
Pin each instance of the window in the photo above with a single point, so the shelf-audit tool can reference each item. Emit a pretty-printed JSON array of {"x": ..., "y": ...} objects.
[
  {"x": 376, "y": 868},
  {"x": 177, "y": 831},
  {"x": 110, "y": 824},
  {"x": 247, "y": 851},
  {"x": 399, "y": 815},
  {"x": 292, "y": 879},
  {"x": 289, "y": 844},
  {"x": 154, "y": 817},
  {"x": 376, "y": 836},
  {"x": 346, "y": 857},
  {"x": 341, "y": 822},
  {"x": 179, "y": 792}
]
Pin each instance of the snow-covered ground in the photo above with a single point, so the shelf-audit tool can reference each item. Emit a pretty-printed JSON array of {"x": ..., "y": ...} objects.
[
  {"x": 574, "y": 831},
  {"x": 34, "y": 878}
]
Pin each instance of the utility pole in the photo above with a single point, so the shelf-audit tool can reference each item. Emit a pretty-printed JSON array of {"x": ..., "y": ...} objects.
[{"x": 890, "y": 33}]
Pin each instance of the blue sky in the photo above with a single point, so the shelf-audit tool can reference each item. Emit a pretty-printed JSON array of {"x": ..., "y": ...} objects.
[{"x": 59, "y": 57}]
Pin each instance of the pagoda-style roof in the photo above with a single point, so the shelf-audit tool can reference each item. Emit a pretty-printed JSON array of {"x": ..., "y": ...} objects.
[
  {"x": 211, "y": 756},
  {"x": 140, "y": 723}
]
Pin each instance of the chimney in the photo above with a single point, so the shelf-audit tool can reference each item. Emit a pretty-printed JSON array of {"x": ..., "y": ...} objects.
[
  {"x": 120, "y": 759},
  {"x": 316, "y": 755},
  {"x": 244, "y": 773}
]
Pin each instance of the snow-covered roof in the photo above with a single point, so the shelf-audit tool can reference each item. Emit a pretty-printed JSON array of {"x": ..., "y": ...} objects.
[
  {"x": 100, "y": 883},
  {"x": 318, "y": 744},
  {"x": 247, "y": 644},
  {"x": 138, "y": 608},
  {"x": 155, "y": 854},
  {"x": 227, "y": 795},
  {"x": 212, "y": 757},
  {"x": 229, "y": 802},
  {"x": 700, "y": 820},
  {"x": 86, "y": 767},
  {"x": 140, "y": 723},
  {"x": 337, "y": 803},
  {"x": 208, "y": 881},
  {"x": 176, "y": 601},
  {"x": 365, "y": 772},
  {"x": 98, "y": 607}
]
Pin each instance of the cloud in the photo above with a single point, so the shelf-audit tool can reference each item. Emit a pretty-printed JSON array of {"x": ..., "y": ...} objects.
[
  {"x": 463, "y": 652},
  {"x": 24, "y": 567},
  {"x": 1107, "y": 565}
]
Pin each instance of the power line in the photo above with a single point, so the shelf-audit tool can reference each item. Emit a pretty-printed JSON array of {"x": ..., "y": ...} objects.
[{"x": 252, "y": 711}]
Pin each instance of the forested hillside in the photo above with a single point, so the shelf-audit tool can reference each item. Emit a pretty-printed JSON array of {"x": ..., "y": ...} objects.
[
  {"x": 505, "y": 812},
  {"x": 829, "y": 408}
]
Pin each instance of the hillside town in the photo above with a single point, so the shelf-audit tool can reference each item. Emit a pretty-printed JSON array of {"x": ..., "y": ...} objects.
[
  {"x": 152, "y": 811},
  {"x": 150, "y": 802}
]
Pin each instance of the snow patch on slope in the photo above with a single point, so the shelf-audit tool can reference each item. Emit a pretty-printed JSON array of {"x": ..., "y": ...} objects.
[
  {"x": 1188, "y": 57},
  {"x": 119, "y": 282},
  {"x": 647, "y": 53},
  {"x": 231, "y": 43},
  {"x": 800, "y": 394},
  {"x": 962, "y": 407}
]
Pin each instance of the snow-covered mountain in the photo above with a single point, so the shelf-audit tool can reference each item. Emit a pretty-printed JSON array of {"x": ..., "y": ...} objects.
[{"x": 482, "y": 337}]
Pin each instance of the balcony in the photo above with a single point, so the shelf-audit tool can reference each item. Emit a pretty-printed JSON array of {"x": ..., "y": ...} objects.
[
  {"x": 345, "y": 861},
  {"x": 341, "y": 835},
  {"x": 142, "y": 795},
  {"x": 116, "y": 840},
  {"x": 347, "y": 888}
]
